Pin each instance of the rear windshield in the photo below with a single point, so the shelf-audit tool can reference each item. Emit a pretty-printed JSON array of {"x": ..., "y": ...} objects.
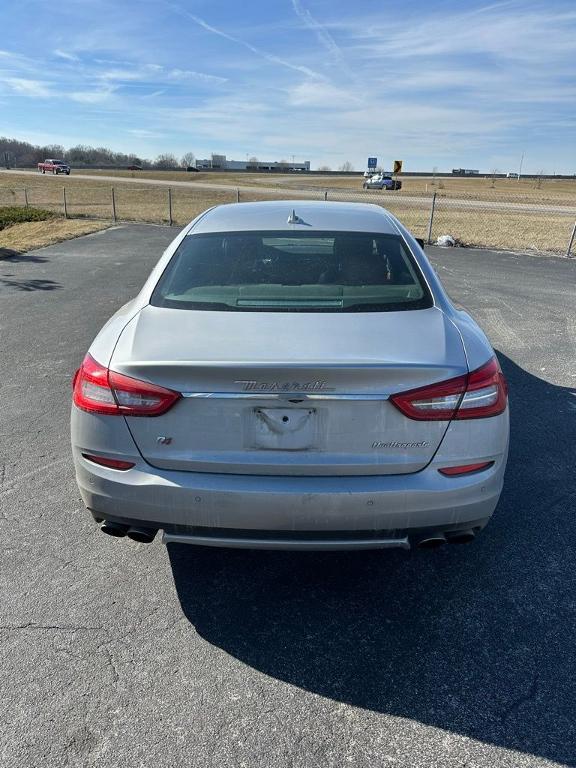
[{"x": 292, "y": 272}]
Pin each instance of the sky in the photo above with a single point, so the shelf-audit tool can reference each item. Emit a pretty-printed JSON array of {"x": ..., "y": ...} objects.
[{"x": 437, "y": 84}]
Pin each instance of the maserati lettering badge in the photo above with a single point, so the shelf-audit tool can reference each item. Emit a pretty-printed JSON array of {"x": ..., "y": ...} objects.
[{"x": 249, "y": 385}]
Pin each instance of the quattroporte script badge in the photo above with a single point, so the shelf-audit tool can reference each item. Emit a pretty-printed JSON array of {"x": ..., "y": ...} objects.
[{"x": 379, "y": 444}]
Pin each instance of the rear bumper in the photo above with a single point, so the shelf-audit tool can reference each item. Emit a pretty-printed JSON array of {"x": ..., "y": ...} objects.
[{"x": 290, "y": 512}]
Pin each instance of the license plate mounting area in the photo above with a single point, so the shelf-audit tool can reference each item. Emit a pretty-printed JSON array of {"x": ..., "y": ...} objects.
[{"x": 284, "y": 429}]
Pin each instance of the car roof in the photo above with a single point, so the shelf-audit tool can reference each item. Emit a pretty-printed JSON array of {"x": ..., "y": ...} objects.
[{"x": 314, "y": 214}]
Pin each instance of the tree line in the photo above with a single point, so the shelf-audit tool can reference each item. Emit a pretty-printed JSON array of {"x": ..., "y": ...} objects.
[{"x": 22, "y": 154}]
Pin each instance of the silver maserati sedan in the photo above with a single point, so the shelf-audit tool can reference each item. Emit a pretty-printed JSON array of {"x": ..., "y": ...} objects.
[{"x": 291, "y": 376}]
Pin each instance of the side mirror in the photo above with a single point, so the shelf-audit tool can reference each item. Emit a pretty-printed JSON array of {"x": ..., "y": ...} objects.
[{"x": 420, "y": 241}]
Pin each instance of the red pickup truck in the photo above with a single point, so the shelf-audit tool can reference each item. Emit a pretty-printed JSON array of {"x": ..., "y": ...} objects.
[{"x": 54, "y": 166}]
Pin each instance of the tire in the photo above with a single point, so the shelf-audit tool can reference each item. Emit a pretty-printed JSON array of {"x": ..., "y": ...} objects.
[
  {"x": 67, "y": 173},
  {"x": 43, "y": 170}
]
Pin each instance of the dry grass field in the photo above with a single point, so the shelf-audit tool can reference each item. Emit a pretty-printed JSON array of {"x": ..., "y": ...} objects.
[
  {"x": 20, "y": 238},
  {"x": 497, "y": 224},
  {"x": 549, "y": 191},
  {"x": 93, "y": 198},
  {"x": 506, "y": 229}
]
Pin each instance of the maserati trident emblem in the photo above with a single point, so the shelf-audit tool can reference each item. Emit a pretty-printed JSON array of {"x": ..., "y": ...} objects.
[
  {"x": 250, "y": 385},
  {"x": 163, "y": 440}
]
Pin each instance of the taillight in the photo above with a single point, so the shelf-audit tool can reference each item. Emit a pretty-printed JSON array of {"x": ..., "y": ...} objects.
[
  {"x": 436, "y": 402},
  {"x": 486, "y": 392},
  {"x": 100, "y": 390},
  {"x": 475, "y": 395}
]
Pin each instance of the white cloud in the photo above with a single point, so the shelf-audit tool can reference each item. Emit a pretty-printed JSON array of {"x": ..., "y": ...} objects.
[
  {"x": 322, "y": 34},
  {"x": 142, "y": 133},
  {"x": 322, "y": 95},
  {"x": 37, "y": 89},
  {"x": 123, "y": 74},
  {"x": 96, "y": 96},
  {"x": 157, "y": 73},
  {"x": 506, "y": 31},
  {"x": 65, "y": 55},
  {"x": 273, "y": 59},
  {"x": 113, "y": 62},
  {"x": 186, "y": 74}
]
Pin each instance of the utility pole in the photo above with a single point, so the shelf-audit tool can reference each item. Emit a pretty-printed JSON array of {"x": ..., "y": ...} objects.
[{"x": 520, "y": 169}]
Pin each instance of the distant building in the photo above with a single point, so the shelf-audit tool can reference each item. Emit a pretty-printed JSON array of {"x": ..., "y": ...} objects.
[
  {"x": 464, "y": 172},
  {"x": 221, "y": 162}
]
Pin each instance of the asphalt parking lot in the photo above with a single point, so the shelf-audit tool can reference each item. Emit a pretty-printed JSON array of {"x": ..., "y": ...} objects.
[{"x": 121, "y": 654}]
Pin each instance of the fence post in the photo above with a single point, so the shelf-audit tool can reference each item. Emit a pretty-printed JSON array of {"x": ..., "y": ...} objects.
[
  {"x": 325, "y": 194},
  {"x": 64, "y": 202},
  {"x": 26, "y": 197},
  {"x": 113, "y": 197},
  {"x": 169, "y": 206},
  {"x": 237, "y": 195},
  {"x": 431, "y": 222},
  {"x": 572, "y": 236}
]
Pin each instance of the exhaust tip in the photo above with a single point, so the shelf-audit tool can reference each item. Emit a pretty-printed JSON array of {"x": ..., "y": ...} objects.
[
  {"x": 113, "y": 529},
  {"x": 433, "y": 541},
  {"x": 461, "y": 537},
  {"x": 143, "y": 535}
]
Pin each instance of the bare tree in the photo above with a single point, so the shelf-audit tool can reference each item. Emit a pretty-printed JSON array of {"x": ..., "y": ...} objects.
[
  {"x": 188, "y": 160},
  {"x": 165, "y": 162},
  {"x": 24, "y": 154},
  {"x": 347, "y": 167},
  {"x": 325, "y": 168}
]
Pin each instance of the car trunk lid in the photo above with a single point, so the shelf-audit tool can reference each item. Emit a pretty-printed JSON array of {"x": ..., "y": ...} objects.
[{"x": 288, "y": 393}]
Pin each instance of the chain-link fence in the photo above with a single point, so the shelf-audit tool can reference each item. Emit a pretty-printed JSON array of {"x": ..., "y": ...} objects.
[
  {"x": 507, "y": 222},
  {"x": 512, "y": 223}
]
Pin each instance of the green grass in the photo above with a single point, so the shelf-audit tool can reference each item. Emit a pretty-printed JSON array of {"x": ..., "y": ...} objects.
[{"x": 16, "y": 215}]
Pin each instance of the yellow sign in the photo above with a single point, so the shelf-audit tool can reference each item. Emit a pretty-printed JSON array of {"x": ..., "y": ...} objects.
[{"x": 397, "y": 166}]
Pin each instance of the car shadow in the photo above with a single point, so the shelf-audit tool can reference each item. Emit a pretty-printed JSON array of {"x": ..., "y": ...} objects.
[{"x": 475, "y": 639}]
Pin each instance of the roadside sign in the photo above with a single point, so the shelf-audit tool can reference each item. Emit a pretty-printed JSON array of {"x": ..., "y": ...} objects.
[
  {"x": 397, "y": 166},
  {"x": 372, "y": 162}
]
